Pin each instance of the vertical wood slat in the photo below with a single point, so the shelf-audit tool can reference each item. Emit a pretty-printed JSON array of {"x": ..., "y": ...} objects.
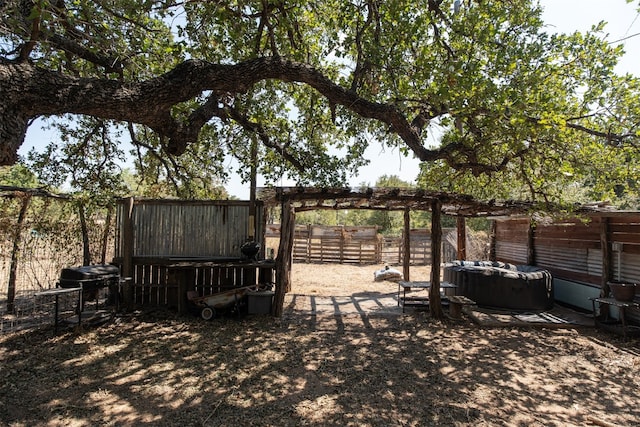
[
  {"x": 531, "y": 246},
  {"x": 605, "y": 247}
]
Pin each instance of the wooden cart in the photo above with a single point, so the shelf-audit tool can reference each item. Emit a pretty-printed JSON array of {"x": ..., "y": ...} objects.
[{"x": 210, "y": 305}]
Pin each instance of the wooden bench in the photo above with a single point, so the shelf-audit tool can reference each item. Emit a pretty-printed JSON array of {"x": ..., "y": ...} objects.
[{"x": 456, "y": 302}]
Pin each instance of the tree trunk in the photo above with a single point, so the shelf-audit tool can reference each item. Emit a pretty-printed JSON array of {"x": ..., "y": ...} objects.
[
  {"x": 127, "y": 251},
  {"x": 105, "y": 235},
  {"x": 252, "y": 189},
  {"x": 15, "y": 254}
]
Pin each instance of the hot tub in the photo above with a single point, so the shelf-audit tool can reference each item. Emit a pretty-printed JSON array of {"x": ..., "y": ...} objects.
[{"x": 502, "y": 285}]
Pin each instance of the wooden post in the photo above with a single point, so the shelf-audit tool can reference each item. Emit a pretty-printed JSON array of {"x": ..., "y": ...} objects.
[
  {"x": 435, "y": 304},
  {"x": 185, "y": 277},
  {"x": 127, "y": 252},
  {"x": 492, "y": 240},
  {"x": 462, "y": 238},
  {"x": 605, "y": 247},
  {"x": 406, "y": 244},
  {"x": 283, "y": 260},
  {"x": 531, "y": 244},
  {"x": 378, "y": 247},
  {"x": 342, "y": 242},
  {"x": 308, "y": 257}
]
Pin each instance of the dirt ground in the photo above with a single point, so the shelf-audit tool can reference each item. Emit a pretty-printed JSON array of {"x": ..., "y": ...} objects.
[{"x": 361, "y": 368}]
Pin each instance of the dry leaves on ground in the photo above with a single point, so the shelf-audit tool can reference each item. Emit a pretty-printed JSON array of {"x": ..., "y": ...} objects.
[{"x": 157, "y": 368}]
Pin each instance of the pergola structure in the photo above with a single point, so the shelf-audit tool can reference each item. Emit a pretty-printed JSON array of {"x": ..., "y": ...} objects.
[{"x": 297, "y": 199}]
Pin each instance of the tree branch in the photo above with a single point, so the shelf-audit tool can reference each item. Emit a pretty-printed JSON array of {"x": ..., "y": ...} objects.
[
  {"x": 30, "y": 92},
  {"x": 259, "y": 130},
  {"x": 33, "y": 91}
]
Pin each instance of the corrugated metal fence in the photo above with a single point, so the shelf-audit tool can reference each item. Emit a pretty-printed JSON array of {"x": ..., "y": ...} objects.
[
  {"x": 165, "y": 228},
  {"x": 571, "y": 249}
]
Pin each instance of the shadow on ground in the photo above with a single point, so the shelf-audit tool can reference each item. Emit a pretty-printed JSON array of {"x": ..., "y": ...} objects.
[{"x": 334, "y": 367}]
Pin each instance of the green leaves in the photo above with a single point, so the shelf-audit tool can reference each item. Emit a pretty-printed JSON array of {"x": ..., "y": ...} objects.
[{"x": 490, "y": 101}]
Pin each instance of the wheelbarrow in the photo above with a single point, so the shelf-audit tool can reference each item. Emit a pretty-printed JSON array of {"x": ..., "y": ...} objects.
[{"x": 210, "y": 305}]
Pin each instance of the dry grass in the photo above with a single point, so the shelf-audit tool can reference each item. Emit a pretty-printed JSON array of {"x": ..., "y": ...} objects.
[
  {"x": 344, "y": 280},
  {"x": 156, "y": 368}
]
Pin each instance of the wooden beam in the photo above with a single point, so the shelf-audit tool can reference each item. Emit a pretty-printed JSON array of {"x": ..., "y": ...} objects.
[
  {"x": 435, "y": 304},
  {"x": 531, "y": 244},
  {"x": 283, "y": 260},
  {"x": 462, "y": 238},
  {"x": 406, "y": 245},
  {"x": 605, "y": 246},
  {"x": 492, "y": 240},
  {"x": 127, "y": 252}
]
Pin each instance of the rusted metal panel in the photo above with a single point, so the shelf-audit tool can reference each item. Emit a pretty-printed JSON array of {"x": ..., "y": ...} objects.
[
  {"x": 189, "y": 229},
  {"x": 512, "y": 251}
]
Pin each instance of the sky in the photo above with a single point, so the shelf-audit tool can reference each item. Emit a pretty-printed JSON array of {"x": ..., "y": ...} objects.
[{"x": 562, "y": 16}]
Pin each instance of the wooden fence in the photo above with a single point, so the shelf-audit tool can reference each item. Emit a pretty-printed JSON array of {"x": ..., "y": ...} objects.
[
  {"x": 420, "y": 248},
  {"x": 339, "y": 244},
  {"x": 180, "y": 228},
  {"x": 154, "y": 237},
  {"x": 357, "y": 245},
  {"x": 163, "y": 282}
]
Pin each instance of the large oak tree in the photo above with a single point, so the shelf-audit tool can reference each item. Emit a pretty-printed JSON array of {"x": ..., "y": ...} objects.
[{"x": 477, "y": 90}]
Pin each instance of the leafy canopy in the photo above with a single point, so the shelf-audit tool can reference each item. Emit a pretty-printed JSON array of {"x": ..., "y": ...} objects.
[{"x": 490, "y": 102}]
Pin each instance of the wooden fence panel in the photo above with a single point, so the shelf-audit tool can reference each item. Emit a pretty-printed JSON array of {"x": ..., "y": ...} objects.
[
  {"x": 358, "y": 245},
  {"x": 156, "y": 283}
]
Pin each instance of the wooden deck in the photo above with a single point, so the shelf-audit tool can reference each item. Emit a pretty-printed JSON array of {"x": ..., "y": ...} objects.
[
  {"x": 558, "y": 317},
  {"x": 373, "y": 303}
]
